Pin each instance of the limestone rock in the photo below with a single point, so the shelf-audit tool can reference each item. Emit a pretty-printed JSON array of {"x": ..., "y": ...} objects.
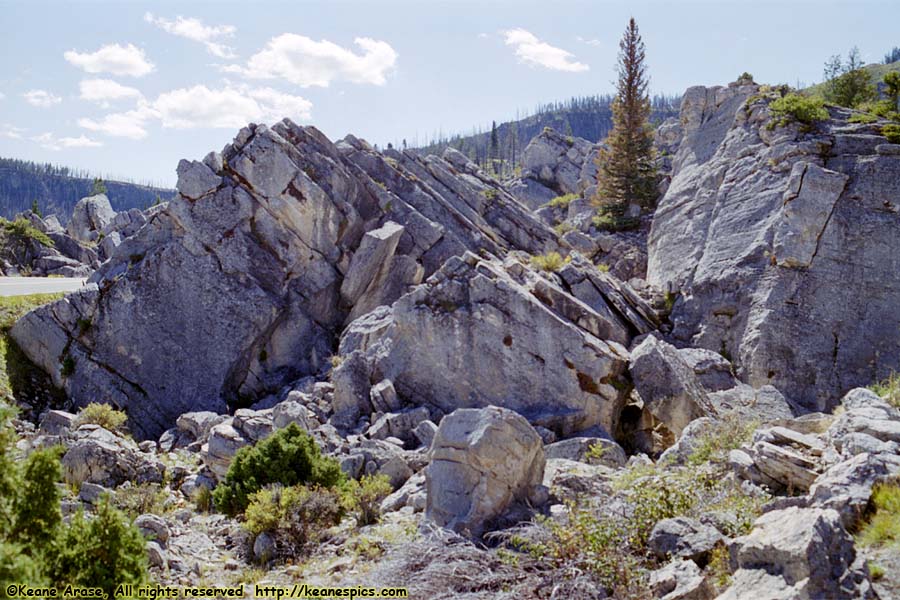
[
  {"x": 236, "y": 287},
  {"x": 679, "y": 580},
  {"x": 684, "y": 538},
  {"x": 482, "y": 461},
  {"x": 577, "y": 448},
  {"x": 100, "y": 456},
  {"x": 475, "y": 335},
  {"x": 806, "y": 552},
  {"x": 769, "y": 234},
  {"x": 89, "y": 217},
  {"x": 667, "y": 385}
]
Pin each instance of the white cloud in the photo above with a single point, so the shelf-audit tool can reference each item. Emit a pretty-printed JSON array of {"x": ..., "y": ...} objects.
[
  {"x": 230, "y": 107},
  {"x": 41, "y": 98},
  {"x": 51, "y": 142},
  {"x": 2, "y": 95},
  {"x": 306, "y": 62},
  {"x": 194, "y": 29},
  {"x": 11, "y": 131},
  {"x": 130, "y": 124},
  {"x": 112, "y": 58},
  {"x": 589, "y": 42},
  {"x": 103, "y": 91},
  {"x": 532, "y": 51}
]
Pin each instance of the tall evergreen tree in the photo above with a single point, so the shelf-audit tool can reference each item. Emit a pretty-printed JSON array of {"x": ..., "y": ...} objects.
[{"x": 627, "y": 171}]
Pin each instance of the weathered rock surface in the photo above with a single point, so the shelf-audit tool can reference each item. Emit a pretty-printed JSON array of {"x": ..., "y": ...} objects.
[
  {"x": 769, "y": 234},
  {"x": 555, "y": 165},
  {"x": 667, "y": 385},
  {"x": 480, "y": 332},
  {"x": 683, "y": 538},
  {"x": 89, "y": 217},
  {"x": 482, "y": 460},
  {"x": 102, "y": 457},
  {"x": 797, "y": 553},
  {"x": 237, "y": 286}
]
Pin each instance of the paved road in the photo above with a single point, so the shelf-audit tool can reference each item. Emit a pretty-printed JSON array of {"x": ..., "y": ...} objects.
[{"x": 20, "y": 286}]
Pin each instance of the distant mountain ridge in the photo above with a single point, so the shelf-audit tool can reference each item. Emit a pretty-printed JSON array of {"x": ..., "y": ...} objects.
[
  {"x": 588, "y": 117},
  {"x": 58, "y": 189}
]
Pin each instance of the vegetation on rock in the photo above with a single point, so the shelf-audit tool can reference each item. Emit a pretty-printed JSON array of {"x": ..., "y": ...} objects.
[
  {"x": 288, "y": 457},
  {"x": 103, "y": 415},
  {"x": 627, "y": 170}
]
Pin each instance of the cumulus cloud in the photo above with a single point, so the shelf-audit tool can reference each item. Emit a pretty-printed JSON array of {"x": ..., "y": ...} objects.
[
  {"x": 307, "y": 63},
  {"x": 196, "y": 30},
  {"x": 41, "y": 98},
  {"x": 229, "y": 107},
  {"x": 104, "y": 91},
  {"x": 11, "y": 131},
  {"x": 532, "y": 51},
  {"x": 112, "y": 58},
  {"x": 589, "y": 42},
  {"x": 51, "y": 142},
  {"x": 130, "y": 124}
]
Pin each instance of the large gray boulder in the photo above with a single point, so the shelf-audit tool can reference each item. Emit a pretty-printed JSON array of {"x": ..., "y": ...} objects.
[
  {"x": 89, "y": 217},
  {"x": 555, "y": 165},
  {"x": 236, "y": 287},
  {"x": 480, "y": 332},
  {"x": 798, "y": 553},
  {"x": 779, "y": 244},
  {"x": 97, "y": 455},
  {"x": 668, "y": 385},
  {"x": 482, "y": 460}
]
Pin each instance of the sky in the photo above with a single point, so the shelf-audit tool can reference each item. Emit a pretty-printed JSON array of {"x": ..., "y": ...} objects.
[{"x": 128, "y": 88}]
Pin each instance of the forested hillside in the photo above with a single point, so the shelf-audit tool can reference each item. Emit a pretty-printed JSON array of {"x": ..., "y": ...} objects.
[
  {"x": 588, "y": 117},
  {"x": 57, "y": 189}
]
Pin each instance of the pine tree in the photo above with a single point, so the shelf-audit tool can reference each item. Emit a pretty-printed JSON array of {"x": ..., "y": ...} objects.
[
  {"x": 627, "y": 171},
  {"x": 99, "y": 187},
  {"x": 35, "y": 208},
  {"x": 495, "y": 146}
]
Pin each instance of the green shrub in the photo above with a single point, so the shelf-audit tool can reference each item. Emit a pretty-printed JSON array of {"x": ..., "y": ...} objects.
[
  {"x": 888, "y": 389},
  {"x": 562, "y": 201},
  {"x": 289, "y": 457},
  {"x": 883, "y": 528},
  {"x": 723, "y": 436},
  {"x": 862, "y": 118},
  {"x": 140, "y": 499},
  {"x": 37, "y": 548},
  {"x": 364, "y": 497},
  {"x": 36, "y": 504},
  {"x": 22, "y": 229},
  {"x": 891, "y": 132},
  {"x": 294, "y": 516},
  {"x": 103, "y": 551},
  {"x": 612, "y": 218},
  {"x": 563, "y": 228},
  {"x": 103, "y": 415},
  {"x": 550, "y": 262},
  {"x": 806, "y": 110}
]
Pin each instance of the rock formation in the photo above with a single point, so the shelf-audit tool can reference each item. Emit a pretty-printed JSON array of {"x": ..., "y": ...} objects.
[
  {"x": 242, "y": 283},
  {"x": 767, "y": 234}
]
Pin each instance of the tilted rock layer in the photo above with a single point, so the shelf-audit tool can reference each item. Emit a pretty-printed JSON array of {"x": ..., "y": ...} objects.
[{"x": 242, "y": 282}]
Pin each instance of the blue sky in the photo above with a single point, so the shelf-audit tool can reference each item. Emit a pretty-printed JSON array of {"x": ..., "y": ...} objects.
[{"x": 128, "y": 88}]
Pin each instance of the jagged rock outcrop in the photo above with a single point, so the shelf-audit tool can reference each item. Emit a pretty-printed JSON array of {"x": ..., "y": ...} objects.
[
  {"x": 767, "y": 233},
  {"x": 483, "y": 332},
  {"x": 90, "y": 216},
  {"x": 555, "y": 165},
  {"x": 482, "y": 460},
  {"x": 798, "y": 553},
  {"x": 22, "y": 252},
  {"x": 236, "y": 287}
]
